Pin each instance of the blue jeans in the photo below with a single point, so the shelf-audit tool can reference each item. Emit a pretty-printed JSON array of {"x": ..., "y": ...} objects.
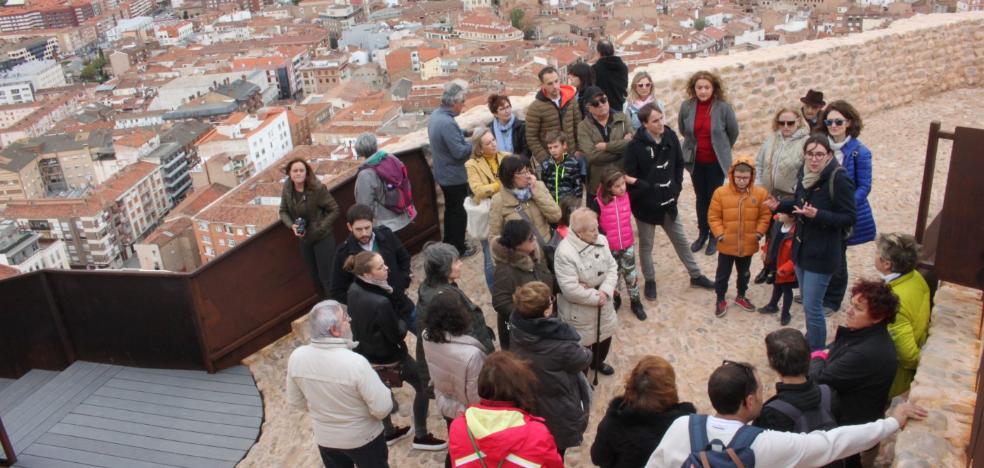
[
  {"x": 489, "y": 268},
  {"x": 812, "y": 287}
]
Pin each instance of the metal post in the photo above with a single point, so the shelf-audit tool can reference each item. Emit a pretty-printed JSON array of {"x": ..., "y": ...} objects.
[
  {"x": 8, "y": 449},
  {"x": 929, "y": 169}
]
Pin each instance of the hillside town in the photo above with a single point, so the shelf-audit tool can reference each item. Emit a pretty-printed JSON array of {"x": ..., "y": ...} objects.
[{"x": 152, "y": 135}]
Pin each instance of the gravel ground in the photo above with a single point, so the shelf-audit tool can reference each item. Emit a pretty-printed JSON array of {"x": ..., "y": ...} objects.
[{"x": 681, "y": 325}]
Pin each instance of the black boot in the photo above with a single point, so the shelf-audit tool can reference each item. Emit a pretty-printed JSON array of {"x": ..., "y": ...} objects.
[
  {"x": 638, "y": 309},
  {"x": 699, "y": 243},
  {"x": 617, "y": 300},
  {"x": 761, "y": 276},
  {"x": 650, "y": 290},
  {"x": 712, "y": 246}
]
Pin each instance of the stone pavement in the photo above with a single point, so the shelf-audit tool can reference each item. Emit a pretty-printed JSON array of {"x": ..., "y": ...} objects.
[{"x": 681, "y": 326}]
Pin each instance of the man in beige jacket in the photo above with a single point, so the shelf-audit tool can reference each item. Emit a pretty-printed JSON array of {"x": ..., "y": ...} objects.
[{"x": 341, "y": 392}]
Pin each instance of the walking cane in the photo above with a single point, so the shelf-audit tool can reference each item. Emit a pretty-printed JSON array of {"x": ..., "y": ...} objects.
[{"x": 597, "y": 348}]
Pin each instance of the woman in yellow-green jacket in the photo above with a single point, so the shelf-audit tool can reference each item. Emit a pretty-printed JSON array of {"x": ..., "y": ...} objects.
[{"x": 896, "y": 259}]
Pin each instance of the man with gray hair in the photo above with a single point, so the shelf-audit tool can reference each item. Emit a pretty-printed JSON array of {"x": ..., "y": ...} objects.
[
  {"x": 450, "y": 151},
  {"x": 383, "y": 185},
  {"x": 341, "y": 392}
]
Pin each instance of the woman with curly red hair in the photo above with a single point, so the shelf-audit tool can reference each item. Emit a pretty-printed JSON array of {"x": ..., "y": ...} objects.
[{"x": 860, "y": 363}]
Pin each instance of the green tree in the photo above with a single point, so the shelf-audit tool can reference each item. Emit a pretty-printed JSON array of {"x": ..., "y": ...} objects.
[
  {"x": 700, "y": 24},
  {"x": 333, "y": 42},
  {"x": 516, "y": 17}
]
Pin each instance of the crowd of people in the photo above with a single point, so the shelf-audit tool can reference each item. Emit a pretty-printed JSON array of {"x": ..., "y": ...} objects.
[{"x": 551, "y": 201}]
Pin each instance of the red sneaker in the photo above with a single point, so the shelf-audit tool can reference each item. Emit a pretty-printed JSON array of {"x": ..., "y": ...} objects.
[
  {"x": 720, "y": 309},
  {"x": 744, "y": 303}
]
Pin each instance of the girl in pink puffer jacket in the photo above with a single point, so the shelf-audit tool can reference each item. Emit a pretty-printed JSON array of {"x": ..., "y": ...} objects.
[{"x": 615, "y": 221}]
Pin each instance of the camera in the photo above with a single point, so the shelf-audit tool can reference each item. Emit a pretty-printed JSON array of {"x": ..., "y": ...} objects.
[{"x": 301, "y": 225}]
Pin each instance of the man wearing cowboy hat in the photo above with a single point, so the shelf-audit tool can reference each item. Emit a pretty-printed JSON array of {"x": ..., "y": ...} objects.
[{"x": 812, "y": 105}]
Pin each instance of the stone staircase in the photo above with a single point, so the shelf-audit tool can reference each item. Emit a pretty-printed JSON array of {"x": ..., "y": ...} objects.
[{"x": 114, "y": 416}]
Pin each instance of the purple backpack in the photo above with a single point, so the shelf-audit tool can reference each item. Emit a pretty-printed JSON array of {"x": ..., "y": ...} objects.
[{"x": 398, "y": 198}]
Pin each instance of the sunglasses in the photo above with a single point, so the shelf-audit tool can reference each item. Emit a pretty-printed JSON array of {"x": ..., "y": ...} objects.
[
  {"x": 786, "y": 123},
  {"x": 598, "y": 102},
  {"x": 644, "y": 85},
  {"x": 834, "y": 122}
]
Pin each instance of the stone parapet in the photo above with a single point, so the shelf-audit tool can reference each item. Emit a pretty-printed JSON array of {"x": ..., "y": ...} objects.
[
  {"x": 911, "y": 59},
  {"x": 945, "y": 384}
]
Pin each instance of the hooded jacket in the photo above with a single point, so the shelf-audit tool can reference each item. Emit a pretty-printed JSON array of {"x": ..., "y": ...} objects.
[
  {"x": 504, "y": 434},
  {"x": 542, "y": 117},
  {"x": 857, "y": 164},
  {"x": 557, "y": 359},
  {"x": 454, "y": 367},
  {"x": 860, "y": 368},
  {"x": 779, "y": 161},
  {"x": 599, "y": 161},
  {"x": 626, "y": 437},
  {"x": 911, "y": 327},
  {"x": 819, "y": 241},
  {"x": 512, "y": 270},
  {"x": 612, "y": 76},
  {"x": 584, "y": 271},
  {"x": 805, "y": 397},
  {"x": 739, "y": 217},
  {"x": 779, "y": 253},
  {"x": 316, "y": 206},
  {"x": 541, "y": 209},
  {"x": 659, "y": 170}
]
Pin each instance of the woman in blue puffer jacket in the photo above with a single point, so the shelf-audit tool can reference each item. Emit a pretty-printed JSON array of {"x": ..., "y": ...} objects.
[{"x": 841, "y": 122}]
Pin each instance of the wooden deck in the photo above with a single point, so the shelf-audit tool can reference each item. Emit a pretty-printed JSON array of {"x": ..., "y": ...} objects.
[{"x": 97, "y": 415}]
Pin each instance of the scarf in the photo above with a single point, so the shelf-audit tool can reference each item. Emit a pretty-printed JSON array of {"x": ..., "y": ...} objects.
[
  {"x": 638, "y": 104},
  {"x": 838, "y": 154},
  {"x": 503, "y": 134},
  {"x": 523, "y": 194},
  {"x": 379, "y": 284},
  {"x": 375, "y": 158},
  {"x": 493, "y": 161},
  {"x": 811, "y": 178}
]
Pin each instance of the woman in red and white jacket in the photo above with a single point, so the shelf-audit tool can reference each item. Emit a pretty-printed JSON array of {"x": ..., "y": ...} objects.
[
  {"x": 615, "y": 221},
  {"x": 500, "y": 431}
]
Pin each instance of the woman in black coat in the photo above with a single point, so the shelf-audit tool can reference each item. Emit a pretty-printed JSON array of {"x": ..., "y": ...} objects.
[
  {"x": 379, "y": 334},
  {"x": 825, "y": 211},
  {"x": 556, "y": 356},
  {"x": 635, "y": 422},
  {"x": 860, "y": 363},
  {"x": 654, "y": 165}
]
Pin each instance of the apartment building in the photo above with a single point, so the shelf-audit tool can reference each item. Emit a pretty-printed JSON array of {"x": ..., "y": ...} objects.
[
  {"x": 23, "y": 250},
  {"x": 19, "y": 84},
  {"x": 263, "y": 137}
]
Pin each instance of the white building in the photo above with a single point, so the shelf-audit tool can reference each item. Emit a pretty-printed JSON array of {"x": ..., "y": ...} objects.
[
  {"x": 23, "y": 250},
  {"x": 137, "y": 25},
  {"x": 187, "y": 88},
  {"x": 18, "y": 84},
  {"x": 263, "y": 137},
  {"x": 173, "y": 33}
]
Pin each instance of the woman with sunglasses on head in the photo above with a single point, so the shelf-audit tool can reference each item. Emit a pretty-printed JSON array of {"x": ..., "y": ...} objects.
[
  {"x": 709, "y": 129},
  {"x": 640, "y": 94},
  {"x": 781, "y": 156},
  {"x": 841, "y": 122},
  {"x": 823, "y": 206}
]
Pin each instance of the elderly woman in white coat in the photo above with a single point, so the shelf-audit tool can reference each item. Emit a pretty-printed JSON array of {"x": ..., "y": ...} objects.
[
  {"x": 454, "y": 358},
  {"x": 587, "y": 274}
]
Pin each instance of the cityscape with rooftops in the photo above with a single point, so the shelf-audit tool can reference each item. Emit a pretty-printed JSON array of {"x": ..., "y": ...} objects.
[{"x": 147, "y": 151}]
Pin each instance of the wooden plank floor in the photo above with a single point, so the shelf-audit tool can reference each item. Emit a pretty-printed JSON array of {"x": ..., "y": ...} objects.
[{"x": 97, "y": 415}]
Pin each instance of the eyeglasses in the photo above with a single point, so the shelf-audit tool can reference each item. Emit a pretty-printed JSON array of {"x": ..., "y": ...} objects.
[
  {"x": 644, "y": 85},
  {"x": 504, "y": 108},
  {"x": 816, "y": 155},
  {"x": 786, "y": 123},
  {"x": 598, "y": 102},
  {"x": 834, "y": 122},
  {"x": 524, "y": 172}
]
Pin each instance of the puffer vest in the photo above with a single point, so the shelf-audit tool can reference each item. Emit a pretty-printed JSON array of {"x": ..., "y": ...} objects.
[{"x": 616, "y": 220}]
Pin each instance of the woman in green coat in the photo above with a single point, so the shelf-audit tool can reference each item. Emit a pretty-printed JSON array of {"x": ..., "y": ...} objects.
[
  {"x": 896, "y": 259},
  {"x": 309, "y": 211}
]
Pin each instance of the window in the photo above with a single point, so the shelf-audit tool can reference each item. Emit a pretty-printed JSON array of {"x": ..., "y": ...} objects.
[
  {"x": 221, "y": 242},
  {"x": 218, "y": 228},
  {"x": 232, "y": 243},
  {"x": 228, "y": 229},
  {"x": 206, "y": 239},
  {"x": 209, "y": 252},
  {"x": 239, "y": 232},
  {"x": 250, "y": 230}
]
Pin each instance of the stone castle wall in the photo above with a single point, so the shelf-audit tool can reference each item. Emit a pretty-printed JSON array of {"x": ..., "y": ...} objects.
[{"x": 874, "y": 70}]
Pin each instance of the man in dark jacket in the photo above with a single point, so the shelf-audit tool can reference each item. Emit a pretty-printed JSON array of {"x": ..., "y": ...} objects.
[
  {"x": 364, "y": 236},
  {"x": 611, "y": 74},
  {"x": 556, "y": 356},
  {"x": 654, "y": 162}
]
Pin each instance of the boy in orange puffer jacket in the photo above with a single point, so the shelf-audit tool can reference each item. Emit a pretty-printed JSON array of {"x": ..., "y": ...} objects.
[
  {"x": 777, "y": 254},
  {"x": 739, "y": 219}
]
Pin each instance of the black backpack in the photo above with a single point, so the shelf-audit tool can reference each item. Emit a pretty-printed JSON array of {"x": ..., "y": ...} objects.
[
  {"x": 820, "y": 419},
  {"x": 714, "y": 454}
]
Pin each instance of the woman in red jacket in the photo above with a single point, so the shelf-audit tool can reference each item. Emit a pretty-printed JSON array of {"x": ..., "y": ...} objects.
[
  {"x": 500, "y": 431},
  {"x": 778, "y": 254}
]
